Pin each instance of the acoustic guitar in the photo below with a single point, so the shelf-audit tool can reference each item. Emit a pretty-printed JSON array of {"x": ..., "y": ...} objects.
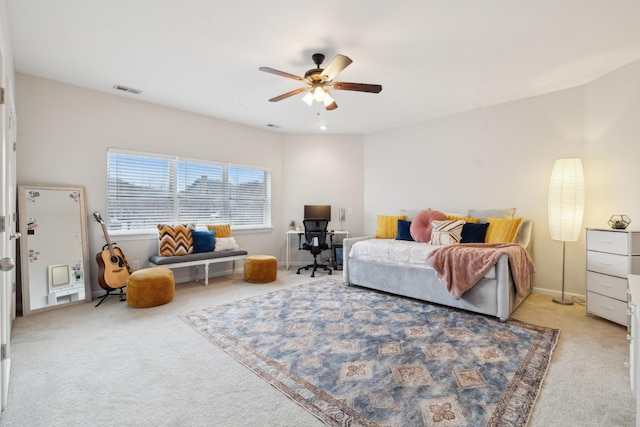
[{"x": 114, "y": 269}]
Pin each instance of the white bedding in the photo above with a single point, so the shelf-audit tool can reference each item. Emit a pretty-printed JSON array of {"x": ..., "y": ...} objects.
[{"x": 399, "y": 252}]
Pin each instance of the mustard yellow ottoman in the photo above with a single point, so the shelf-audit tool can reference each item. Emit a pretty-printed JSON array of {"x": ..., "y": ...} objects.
[
  {"x": 260, "y": 268},
  {"x": 150, "y": 287}
]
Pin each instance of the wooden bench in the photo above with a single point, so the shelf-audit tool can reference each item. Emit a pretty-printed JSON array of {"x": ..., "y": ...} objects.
[{"x": 201, "y": 258}]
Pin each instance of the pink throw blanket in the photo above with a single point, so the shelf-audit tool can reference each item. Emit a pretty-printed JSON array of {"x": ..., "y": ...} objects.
[{"x": 460, "y": 267}]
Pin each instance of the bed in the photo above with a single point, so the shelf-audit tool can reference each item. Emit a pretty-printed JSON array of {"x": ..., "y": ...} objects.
[{"x": 399, "y": 267}]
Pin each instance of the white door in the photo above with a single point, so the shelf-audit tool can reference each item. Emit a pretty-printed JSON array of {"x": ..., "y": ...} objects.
[{"x": 8, "y": 233}]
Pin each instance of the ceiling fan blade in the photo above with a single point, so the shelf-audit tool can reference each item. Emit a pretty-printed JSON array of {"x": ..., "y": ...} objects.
[
  {"x": 331, "y": 106},
  {"x": 337, "y": 64},
  {"x": 281, "y": 73},
  {"x": 358, "y": 87},
  {"x": 288, "y": 94}
]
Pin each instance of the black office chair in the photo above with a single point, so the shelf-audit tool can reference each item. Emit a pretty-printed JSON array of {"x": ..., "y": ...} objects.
[{"x": 315, "y": 236}]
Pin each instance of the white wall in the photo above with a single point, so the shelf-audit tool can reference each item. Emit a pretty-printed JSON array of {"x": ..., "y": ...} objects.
[
  {"x": 612, "y": 147},
  {"x": 323, "y": 170},
  {"x": 499, "y": 156},
  {"x": 502, "y": 156},
  {"x": 65, "y": 131},
  {"x": 495, "y": 157}
]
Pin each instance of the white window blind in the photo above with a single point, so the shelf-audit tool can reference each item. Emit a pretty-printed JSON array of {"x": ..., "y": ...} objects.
[{"x": 144, "y": 190}]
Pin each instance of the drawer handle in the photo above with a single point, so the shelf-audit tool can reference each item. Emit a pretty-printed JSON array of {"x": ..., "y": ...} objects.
[
  {"x": 606, "y": 264},
  {"x": 605, "y": 307},
  {"x": 606, "y": 286}
]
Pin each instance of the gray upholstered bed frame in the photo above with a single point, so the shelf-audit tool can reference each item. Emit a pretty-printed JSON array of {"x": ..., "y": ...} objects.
[{"x": 494, "y": 297}]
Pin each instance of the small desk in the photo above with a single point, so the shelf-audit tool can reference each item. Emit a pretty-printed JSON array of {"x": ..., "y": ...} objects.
[{"x": 300, "y": 233}]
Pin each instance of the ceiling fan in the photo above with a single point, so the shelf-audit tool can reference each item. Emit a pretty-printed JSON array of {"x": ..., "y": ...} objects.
[{"x": 319, "y": 81}]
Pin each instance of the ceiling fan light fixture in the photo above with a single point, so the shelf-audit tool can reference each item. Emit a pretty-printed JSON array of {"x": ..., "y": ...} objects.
[
  {"x": 308, "y": 99},
  {"x": 328, "y": 99},
  {"x": 318, "y": 93}
]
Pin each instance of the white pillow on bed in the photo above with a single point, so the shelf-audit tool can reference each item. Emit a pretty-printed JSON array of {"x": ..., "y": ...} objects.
[
  {"x": 410, "y": 213},
  {"x": 483, "y": 214},
  {"x": 447, "y": 232}
]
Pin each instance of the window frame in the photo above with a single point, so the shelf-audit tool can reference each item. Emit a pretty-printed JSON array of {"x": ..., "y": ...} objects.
[{"x": 174, "y": 190}]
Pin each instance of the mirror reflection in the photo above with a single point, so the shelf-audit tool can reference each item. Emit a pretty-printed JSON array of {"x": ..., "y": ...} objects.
[{"x": 53, "y": 247}]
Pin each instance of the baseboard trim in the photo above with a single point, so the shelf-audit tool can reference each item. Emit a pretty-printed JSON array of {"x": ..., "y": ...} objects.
[{"x": 557, "y": 294}]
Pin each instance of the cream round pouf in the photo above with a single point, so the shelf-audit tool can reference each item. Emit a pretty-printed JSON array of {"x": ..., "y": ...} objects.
[
  {"x": 149, "y": 287},
  {"x": 260, "y": 268}
]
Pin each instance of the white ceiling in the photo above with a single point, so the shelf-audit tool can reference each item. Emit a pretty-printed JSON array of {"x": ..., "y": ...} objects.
[{"x": 432, "y": 57}]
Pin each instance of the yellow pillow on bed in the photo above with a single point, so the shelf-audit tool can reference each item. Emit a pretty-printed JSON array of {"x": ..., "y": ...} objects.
[
  {"x": 388, "y": 226},
  {"x": 463, "y": 218},
  {"x": 502, "y": 230}
]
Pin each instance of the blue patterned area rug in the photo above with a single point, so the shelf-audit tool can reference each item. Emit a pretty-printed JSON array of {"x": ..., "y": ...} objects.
[{"x": 356, "y": 357}]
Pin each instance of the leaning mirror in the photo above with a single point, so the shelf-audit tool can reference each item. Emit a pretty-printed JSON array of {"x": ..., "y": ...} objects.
[{"x": 54, "y": 254}]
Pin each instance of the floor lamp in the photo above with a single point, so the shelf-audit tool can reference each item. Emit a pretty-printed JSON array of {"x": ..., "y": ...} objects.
[{"x": 566, "y": 206}]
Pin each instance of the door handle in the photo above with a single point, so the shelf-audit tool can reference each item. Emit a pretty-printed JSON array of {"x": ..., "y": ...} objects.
[
  {"x": 7, "y": 264},
  {"x": 15, "y": 236}
]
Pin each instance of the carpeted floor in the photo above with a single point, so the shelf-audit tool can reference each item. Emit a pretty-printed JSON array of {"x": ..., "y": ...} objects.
[
  {"x": 118, "y": 366},
  {"x": 352, "y": 356}
]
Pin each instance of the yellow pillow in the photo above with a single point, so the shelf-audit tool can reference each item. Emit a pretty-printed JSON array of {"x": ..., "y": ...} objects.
[
  {"x": 388, "y": 226},
  {"x": 222, "y": 230},
  {"x": 502, "y": 230},
  {"x": 463, "y": 218}
]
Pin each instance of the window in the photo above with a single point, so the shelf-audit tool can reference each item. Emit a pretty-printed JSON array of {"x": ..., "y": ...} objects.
[{"x": 145, "y": 189}]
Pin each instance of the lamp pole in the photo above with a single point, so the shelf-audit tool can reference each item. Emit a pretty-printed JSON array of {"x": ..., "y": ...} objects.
[{"x": 562, "y": 300}]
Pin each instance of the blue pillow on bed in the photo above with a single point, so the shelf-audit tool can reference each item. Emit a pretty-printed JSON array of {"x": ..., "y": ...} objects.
[
  {"x": 474, "y": 233},
  {"x": 403, "y": 230},
  {"x": 203, "y": 241}
]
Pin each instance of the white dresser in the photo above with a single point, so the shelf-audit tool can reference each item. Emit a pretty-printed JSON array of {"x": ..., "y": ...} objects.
[
  {"x": 611, "y": 256},
  {"x": 634, "y": 339}
]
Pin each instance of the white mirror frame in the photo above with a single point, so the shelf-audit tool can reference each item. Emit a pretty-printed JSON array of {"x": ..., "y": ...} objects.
[{"x": 54, "y": 249}]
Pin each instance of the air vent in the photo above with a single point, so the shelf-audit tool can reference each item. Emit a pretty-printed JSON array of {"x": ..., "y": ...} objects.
[{"x": 127, "y": 89}]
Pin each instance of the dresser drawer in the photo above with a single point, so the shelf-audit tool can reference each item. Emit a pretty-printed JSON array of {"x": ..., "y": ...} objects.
[
  {"x": 608, "y": 241},
  {"x": 614, "y": 265},
  {"x": 609, "y": 286},
  {"x": 608, "y": 308}
]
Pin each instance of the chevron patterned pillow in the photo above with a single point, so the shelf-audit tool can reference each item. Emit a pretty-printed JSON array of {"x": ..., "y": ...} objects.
[
  {"x": 446, "y": 232},
  {"x": 175, "y": 239}
]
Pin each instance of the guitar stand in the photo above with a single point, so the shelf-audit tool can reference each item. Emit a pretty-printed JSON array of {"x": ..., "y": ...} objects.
[{"x": 123, "y": 296}]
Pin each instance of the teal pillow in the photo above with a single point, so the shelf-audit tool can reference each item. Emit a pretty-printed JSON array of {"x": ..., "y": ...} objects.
[
  {"x": 203, "y": 241},
  {"x": 403, "y": 230}
]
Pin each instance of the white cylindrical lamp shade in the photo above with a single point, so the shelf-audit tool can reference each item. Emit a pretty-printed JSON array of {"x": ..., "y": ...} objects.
[{"x": 566, "y": 199}]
